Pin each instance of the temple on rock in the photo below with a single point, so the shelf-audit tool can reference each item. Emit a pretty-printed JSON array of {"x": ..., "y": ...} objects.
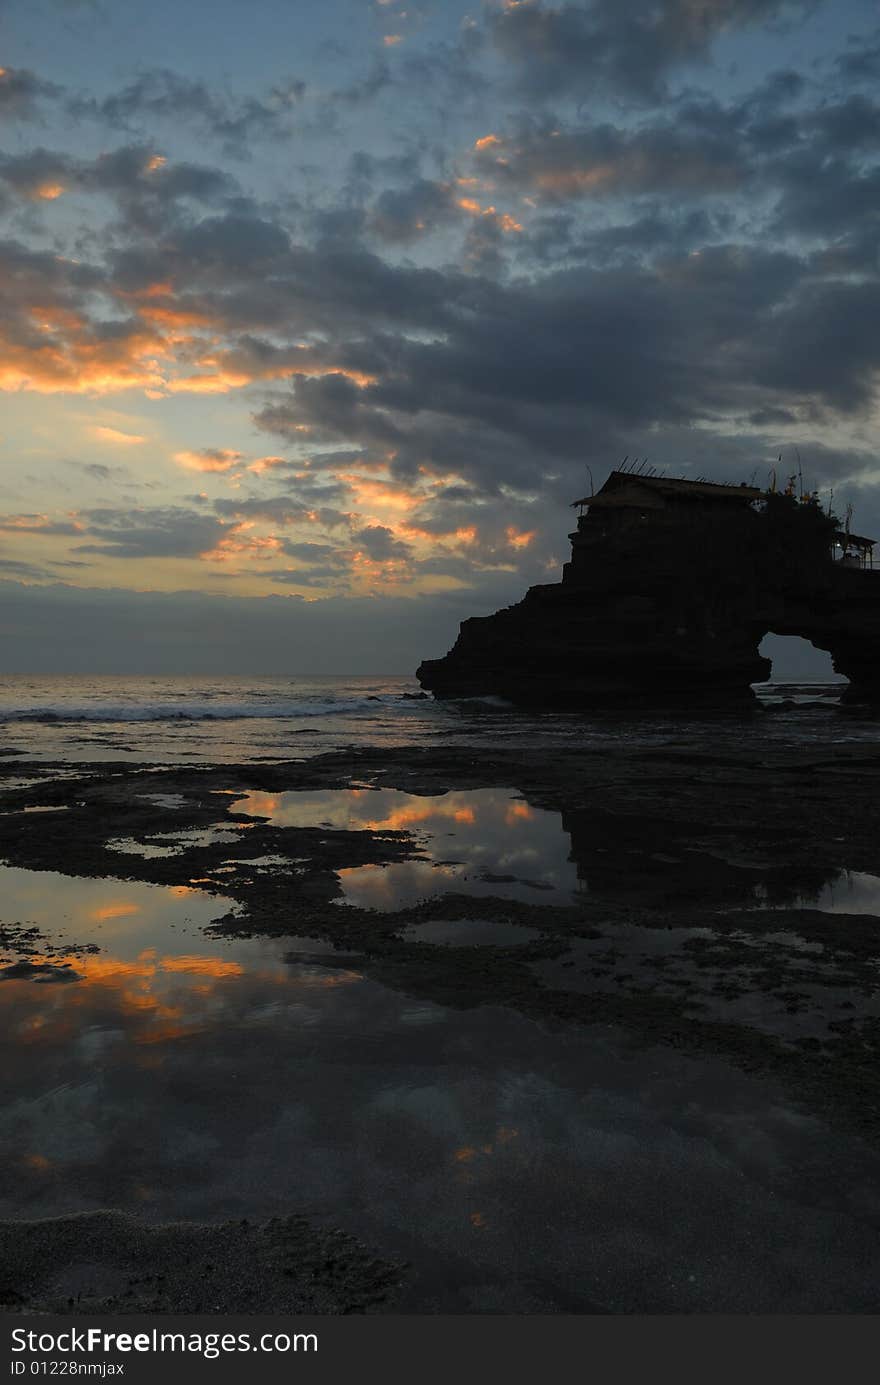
[
  {"x": 671, "y": 586},
  {"x": 629, "y": 500}
]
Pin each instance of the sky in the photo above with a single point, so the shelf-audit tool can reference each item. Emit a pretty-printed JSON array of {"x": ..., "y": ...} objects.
[{"x": 315, "y": 319}]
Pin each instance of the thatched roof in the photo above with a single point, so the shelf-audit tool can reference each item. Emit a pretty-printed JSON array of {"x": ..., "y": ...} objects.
[{"x": 669, "y": 486}]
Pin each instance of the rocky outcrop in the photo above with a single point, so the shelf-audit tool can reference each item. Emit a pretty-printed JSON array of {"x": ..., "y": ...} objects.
[{"x": 672, "y": 612}]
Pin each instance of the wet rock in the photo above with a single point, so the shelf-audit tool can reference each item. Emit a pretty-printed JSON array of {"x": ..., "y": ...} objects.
[
  {"x": 108, "y": 1262},
  {"x": 44, "y": 972}
]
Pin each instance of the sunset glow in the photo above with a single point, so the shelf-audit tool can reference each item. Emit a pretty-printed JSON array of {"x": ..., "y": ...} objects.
[{"x": 393, "y": 369}]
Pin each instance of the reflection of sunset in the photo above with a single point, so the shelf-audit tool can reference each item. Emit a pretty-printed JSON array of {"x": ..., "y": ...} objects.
[
  {"x": 153, "y": 999},
  {"x": 502, "y": 846},
  {"x": 114, "y": 911},
  {"x": 466, "y": 1154},
  {"x": 201, "y": 966}
]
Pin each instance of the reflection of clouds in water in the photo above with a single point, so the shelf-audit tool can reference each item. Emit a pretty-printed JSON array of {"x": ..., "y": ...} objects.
[
  {"x": 851, "y": 892},
  {"x": 463, "y": 834},
  {"x": 214, "y": 1084},
  {"x": 126, "y": 914}
]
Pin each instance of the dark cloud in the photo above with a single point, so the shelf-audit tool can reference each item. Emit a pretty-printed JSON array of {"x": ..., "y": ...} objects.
[
  {"x": 148, "y": 191},
  {"x": 403, "y": 214},
  {"x": 100, "y": 472},
  {"x": 862, "y": 62},
  {"x": 22, "y": 91},
  {"x": 600, "y": 161},
  {"x": 627, "y": 44},
  {"x": 163, "y": 95},
  {"x": 29, "y": 572},
  {"x": 366, "y": 88},
  {"x": 379, "y": 543},
  {"x": 170, "y": 532},
  {"x": 311, "y": 552},
  {"x": 850, "y": 124},
  {"x": 232, "y": 243}
]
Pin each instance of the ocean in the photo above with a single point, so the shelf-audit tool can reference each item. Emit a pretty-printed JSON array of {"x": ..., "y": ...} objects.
[{"x": 244, "y": 719}]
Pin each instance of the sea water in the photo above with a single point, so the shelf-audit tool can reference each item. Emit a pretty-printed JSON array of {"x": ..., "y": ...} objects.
[{"x": 180, "y": 720}]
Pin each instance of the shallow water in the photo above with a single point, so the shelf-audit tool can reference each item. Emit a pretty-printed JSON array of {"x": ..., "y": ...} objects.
[
  {"x": 849, "y": 892},
  {"x": 478, "y": 842},
  {"x": 519, "y": 1167}
]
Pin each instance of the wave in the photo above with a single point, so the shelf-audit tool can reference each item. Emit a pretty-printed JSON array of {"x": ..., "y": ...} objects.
[{"x": 324, "y": 707}]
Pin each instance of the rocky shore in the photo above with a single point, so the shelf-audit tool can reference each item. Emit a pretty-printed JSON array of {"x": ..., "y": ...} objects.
[{"x": 695, "y": 926}]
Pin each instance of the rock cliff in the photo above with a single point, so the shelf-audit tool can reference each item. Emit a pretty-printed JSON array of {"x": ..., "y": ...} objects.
[{"x": 669, "y": 607}]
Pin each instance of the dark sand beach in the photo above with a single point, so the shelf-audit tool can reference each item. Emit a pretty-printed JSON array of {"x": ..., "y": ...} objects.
[{"x": 576, "y": 1026}]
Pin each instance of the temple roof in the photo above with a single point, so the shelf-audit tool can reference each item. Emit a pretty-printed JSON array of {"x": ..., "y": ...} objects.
[{"x": 669, "y": 486}]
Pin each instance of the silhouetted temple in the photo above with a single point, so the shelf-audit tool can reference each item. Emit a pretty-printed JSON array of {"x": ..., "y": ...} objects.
[{"x": 671, "y": 586}]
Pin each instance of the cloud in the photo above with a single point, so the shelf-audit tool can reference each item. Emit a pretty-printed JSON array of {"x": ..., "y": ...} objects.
[
  {"x": 145, "y": 185},
  {"x": 164, "y": 95},
  {"x": 862, "y": 62},
  {"x": 541, "y": 286},
  {"x": 404, "y": 214},
  {"x": 22, "y": 91},
  {"x": 600, "y": 161},
  {"x": 574, "y": 48},
  {"x": 379, "y": 543},
  {"x": 117, "y": 436},
  {"x": 99, "y": 472},
  {"x": 42, "y": 525},
  {"x": 12, "y": 567},
  {"x": 209, "y": 459},
  {"x": 164, "y": 532}
]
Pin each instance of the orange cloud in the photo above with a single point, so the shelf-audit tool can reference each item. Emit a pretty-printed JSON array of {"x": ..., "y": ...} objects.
[
  {"x": 224, "y": 378},
  {"x": 201, "y": 966},
  {"x": 119, "y": 910},
  {"x": 48, "y": 192},
  {"x": 269, "y": 463},
  {"x": 519, "y": 540},
  {"x": 76, "y": 362},
  {"x": 504, "y": 220},
  {"x": 158, "y": 350},
  {"x": 209, "y": 459},
  {"x": 486, "y": 142},
  {"x": 374, "y": 492},
  {"x": 36, "y": 524},
  {"x": 234, "y": 547},
  {"x": 115, "y": 435},
  {"x": 569, "y": 182},
  {"x": 391, "y": 40},
  {"x": 174, "y": 316}
]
